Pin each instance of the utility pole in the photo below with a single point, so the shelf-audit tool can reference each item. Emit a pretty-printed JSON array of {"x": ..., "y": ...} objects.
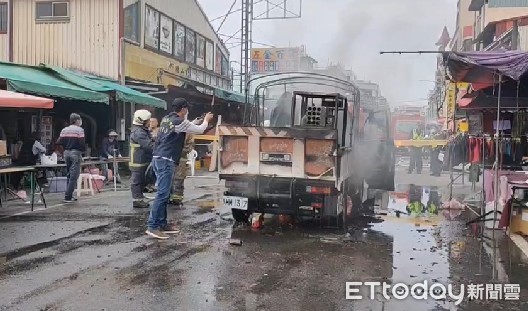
[
  {"x": 245, "y": 47},
  {"x": 253, "y": 11},
  {"x": 261, "y": 10}
]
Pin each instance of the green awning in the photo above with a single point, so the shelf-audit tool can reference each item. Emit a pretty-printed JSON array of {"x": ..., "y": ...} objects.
[
  {"x": 231, "y": 96},
  {"x": 43, "y": 82},
  {"x": 129, "y": 95},
  {"x": 122, "y": 93}
]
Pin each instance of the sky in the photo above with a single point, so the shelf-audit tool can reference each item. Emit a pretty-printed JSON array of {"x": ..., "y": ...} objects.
[{"x": 352, "y": 33}]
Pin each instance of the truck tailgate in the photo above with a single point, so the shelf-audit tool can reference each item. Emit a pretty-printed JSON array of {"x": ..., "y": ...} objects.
[{"x": 280, "y": 152}]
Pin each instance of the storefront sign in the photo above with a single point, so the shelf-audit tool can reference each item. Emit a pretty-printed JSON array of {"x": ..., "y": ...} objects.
[
  {"x": 275, "y": 60},
  {"x": 141, "y": 63},
  {"x": 166, "y": 34},
  {"x": 451, "y": 102},
  {"x": 152, "y": 23}
]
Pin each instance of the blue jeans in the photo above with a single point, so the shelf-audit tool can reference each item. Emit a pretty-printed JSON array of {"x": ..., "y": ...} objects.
[
  {"x": 164, "y": 169},
  {"x": 73, "y": 167}
]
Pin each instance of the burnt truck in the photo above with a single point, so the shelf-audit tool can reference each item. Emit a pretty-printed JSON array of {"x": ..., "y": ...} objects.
[{"x": 312, "y": 159}]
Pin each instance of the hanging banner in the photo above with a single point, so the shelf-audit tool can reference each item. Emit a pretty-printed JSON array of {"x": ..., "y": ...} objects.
[
  {"x": 475, "y": 123},
  {"x": 209, "y": 55},
  {"x": 450, "y": 103},
  {"x": 179, "y": 41},
  {"x": 166, "y": 34},
  {"x": 218, "y": 61},
  {"x": 200, "y": 50},
  {"x": 190, "y": 46},
  {"x": 152, "y": 20},
  {"x": 225, "y": 66}
]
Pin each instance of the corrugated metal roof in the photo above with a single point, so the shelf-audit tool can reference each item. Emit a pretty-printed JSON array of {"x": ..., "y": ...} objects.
[
  {"x": 88, "y": 41},
  {"x": 507, "y": 3}
]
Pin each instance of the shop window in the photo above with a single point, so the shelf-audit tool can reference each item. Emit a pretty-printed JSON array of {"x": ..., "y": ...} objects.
[
  {"x": 52, "y": 10},
  {"x": 132, "y": 22},
  {"x": 4, "y": 15}
]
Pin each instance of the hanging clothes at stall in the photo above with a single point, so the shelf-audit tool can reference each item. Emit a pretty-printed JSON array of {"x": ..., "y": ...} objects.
[
  {"x": 475, "y": 149},
  {"x": 457, "y": 151}
]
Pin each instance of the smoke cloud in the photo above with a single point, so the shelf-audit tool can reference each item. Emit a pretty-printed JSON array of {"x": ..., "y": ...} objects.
[{"x": 353, "y": 32}]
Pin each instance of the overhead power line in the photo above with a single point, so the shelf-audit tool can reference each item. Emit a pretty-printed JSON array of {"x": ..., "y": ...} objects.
[
  {"x": 225, "y": 17},
  {"x": 233, "y": 12}
]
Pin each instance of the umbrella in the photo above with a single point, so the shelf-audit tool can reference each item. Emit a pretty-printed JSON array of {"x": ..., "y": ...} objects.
[{"x": 17, "y": 100}]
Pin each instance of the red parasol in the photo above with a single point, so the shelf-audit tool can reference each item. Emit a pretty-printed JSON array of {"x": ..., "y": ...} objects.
[{"x": 17, "y": 100}]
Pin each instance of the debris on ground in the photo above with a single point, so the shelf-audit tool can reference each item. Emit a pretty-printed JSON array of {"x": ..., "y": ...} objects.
[
  {"x": 235, "y": 242},
  {"x": 453, "y": 204}
]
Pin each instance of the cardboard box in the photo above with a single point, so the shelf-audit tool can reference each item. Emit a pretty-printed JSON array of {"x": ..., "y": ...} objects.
[{"x": 3, "y": 147}]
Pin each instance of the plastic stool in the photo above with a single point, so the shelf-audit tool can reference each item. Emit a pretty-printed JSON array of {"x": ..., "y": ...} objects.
[{"x": 85, "y": 184}]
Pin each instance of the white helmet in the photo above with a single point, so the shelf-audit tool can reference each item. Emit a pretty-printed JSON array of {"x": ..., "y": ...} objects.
[{"x": 140, "y": 116}]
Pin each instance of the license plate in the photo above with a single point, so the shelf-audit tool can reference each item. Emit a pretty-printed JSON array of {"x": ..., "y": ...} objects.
[{"x": 236, "y": 202}]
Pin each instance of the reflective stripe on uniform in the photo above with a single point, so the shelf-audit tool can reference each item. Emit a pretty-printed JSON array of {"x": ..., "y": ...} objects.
[{"x": 131, "y": 162}]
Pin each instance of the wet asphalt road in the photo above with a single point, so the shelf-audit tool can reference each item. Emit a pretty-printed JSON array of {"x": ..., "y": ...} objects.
[{"x": 94, "y": 256}]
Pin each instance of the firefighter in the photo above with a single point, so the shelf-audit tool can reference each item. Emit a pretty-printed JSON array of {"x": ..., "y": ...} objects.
[
  {"x": 141, "y": 146},
  {"x": 416, "y": 153},
  {"x": 180, "y": 173}
]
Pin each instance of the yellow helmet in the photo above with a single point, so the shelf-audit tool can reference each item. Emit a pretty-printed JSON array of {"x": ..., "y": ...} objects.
[{"x": 141, "y": 116}]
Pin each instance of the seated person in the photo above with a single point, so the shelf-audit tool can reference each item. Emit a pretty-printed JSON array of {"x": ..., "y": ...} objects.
[
  {"x": 109, "y": 148},
  {"x": 30, "y": 152}
]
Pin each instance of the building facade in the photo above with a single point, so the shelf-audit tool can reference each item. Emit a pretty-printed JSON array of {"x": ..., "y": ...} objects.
[
  {"x": 173, "y": 43},
  {"x": 462, "y": 39},
  {"x": 157, "y": 41},
  {"x": 500, "y": 24}
]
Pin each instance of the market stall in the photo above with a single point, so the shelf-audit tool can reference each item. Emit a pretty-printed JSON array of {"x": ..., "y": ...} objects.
[
  {"x": 12, "y": 100},
  {"x": 500, "y": 144}
]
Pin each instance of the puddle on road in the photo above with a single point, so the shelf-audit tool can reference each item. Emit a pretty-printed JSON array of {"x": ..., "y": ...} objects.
[
  {"x": 414, "y": 240},
  {"x": 207, "y": 204}
]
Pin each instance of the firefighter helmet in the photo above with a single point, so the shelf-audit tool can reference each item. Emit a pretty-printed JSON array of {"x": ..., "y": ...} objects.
[{"x": 141, "y": 116}]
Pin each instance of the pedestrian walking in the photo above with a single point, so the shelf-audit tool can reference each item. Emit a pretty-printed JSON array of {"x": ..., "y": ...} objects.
[
  {"x": 141, "y": 148},
  {"x": 167, "y": 151},
  {"x": 178, "y": 181},
  {"x": 74, "y": 143}
]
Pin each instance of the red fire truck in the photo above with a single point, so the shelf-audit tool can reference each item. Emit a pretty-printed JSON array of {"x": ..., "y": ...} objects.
[{"x": 405, "y": 119}]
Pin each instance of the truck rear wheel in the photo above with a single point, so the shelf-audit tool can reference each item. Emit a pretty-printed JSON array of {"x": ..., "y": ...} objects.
[{"x": 240, "y": 215}]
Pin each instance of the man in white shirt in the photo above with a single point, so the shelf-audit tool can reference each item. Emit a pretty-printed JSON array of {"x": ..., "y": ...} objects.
[{"x": 38, "y": 149}]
